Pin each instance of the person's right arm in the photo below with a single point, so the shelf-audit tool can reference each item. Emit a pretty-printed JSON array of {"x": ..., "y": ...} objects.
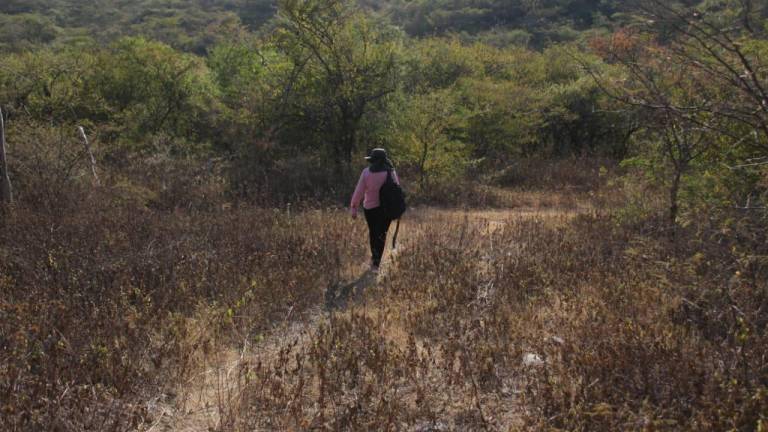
[{"x": 358, "y": 195}]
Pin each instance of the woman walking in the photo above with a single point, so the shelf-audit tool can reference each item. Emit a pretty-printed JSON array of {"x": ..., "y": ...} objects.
[{"x": 367, "y": 192}]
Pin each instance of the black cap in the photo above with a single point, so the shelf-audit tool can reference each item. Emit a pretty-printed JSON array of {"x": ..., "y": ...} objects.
[{"x": 377, "y": 154}]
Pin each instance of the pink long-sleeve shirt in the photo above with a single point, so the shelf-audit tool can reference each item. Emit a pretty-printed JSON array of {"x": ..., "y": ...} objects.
[{"x": 367, "y": 189}]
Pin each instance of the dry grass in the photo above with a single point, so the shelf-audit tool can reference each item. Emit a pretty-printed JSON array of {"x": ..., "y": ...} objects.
[
  {"x": 118, "y": 314},
  {"x": 107, "y": 305},
  {"x": 438, "y": 342},
  {"x": 474, "y": 196}
]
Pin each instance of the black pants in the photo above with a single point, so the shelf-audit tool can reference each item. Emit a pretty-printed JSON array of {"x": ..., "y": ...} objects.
[{"x": 378, "y": 224}]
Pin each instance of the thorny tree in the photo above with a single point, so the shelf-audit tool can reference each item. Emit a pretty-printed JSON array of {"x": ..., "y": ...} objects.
[
  {"x": 349, "y": 62},
  {"x": 729, "y": 54},
  {"x": 700, "y": 78}
]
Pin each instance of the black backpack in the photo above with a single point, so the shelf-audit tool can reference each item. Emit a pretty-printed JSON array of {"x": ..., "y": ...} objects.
[{"x": 392, "y": 198}]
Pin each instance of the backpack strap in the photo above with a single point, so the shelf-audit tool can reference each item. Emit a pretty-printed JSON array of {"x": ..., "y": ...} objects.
[{"x": 390, "y": 178}]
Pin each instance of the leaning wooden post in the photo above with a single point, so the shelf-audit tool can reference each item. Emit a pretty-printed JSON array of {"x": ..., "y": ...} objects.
[
  {"x": 6, "y": 192},
  {"x": 90, "y": 154}
]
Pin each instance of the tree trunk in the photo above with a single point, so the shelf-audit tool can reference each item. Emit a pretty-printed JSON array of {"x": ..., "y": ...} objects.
[
  {"x": 346, "y": 145},
  {"x": 423, "y": 166},
  {"x": 6, "y": 192},
  {"x": 673, "y": 200},
  {"x": 342, "y": 157}
]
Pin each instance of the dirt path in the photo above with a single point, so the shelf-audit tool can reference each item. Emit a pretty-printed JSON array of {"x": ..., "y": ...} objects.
[{"x": 207, "y": 400}]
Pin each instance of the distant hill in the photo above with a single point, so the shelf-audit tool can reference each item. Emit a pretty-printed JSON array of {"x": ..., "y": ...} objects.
[
  {"x": 534, "y": 23},
  {"x": 192, "y": 25}
]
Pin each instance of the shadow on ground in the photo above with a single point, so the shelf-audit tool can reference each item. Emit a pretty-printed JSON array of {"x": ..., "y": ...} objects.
[{"x": 337, "y": 296}]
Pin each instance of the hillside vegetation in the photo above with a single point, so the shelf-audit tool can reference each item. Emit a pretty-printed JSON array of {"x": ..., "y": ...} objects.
[
  {"x": 196, "y": 25},
  {"x": 585, "y": 249}
]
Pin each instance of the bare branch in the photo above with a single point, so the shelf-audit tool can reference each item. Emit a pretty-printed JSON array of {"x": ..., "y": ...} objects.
[
  {"x": 90, "y": 155},
  {"x": 6, "y": 191}
]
